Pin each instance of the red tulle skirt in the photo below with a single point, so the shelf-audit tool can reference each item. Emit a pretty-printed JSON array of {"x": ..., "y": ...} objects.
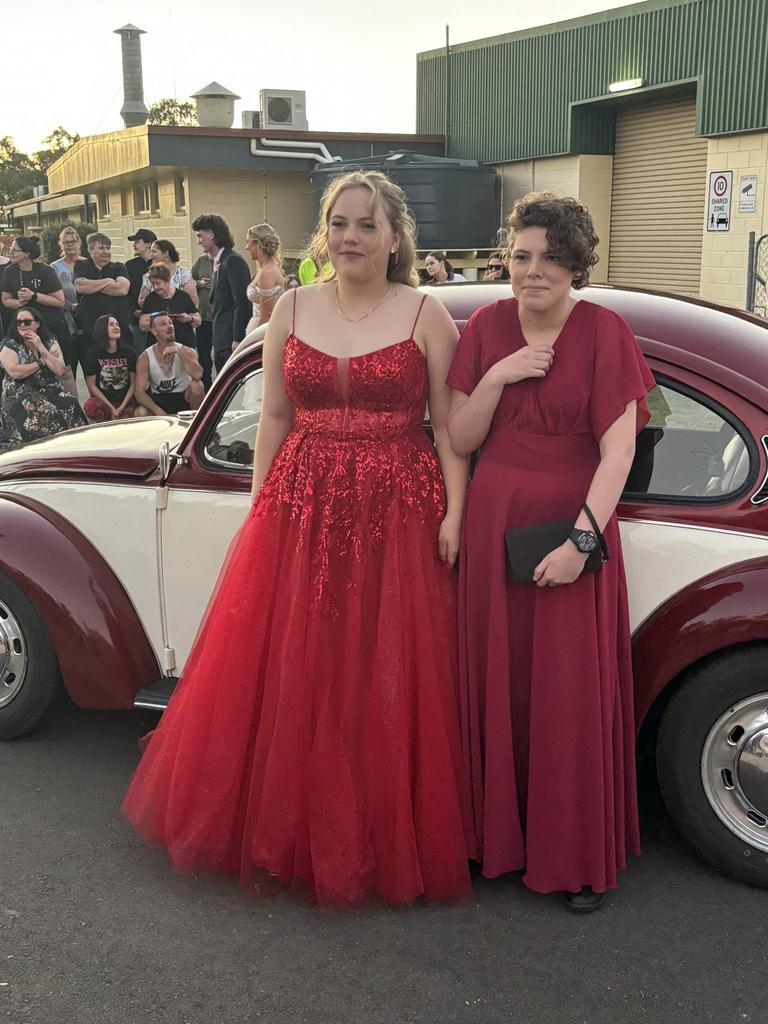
[{"x": 313, "y": 740}]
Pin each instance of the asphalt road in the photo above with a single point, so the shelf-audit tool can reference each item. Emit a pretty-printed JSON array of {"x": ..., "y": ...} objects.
[{"x": 95, "y": 928}]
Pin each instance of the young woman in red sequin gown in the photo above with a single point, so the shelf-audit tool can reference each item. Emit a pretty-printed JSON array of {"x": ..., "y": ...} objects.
[{"x": 313, "y": 740}]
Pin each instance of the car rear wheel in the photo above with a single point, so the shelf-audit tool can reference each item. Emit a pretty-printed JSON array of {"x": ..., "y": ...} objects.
[
  {"x": 29, "y": 672},
  {"x": 712, "y": 758}
]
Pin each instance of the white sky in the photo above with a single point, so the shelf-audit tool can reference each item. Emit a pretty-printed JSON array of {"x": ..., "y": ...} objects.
[{"x": 355, "y": 59}]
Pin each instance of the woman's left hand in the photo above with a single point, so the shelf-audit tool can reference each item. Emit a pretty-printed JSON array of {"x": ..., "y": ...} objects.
[
  {"x": 561, "y": 566},
  {"x": 448, "y": 539}
]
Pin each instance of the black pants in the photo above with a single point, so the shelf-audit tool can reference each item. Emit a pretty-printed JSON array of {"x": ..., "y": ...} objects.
[
  {"x": 220, "y": 356},
  {"x": 203, "y": 336},
  {"x": 78, "y": 346}
]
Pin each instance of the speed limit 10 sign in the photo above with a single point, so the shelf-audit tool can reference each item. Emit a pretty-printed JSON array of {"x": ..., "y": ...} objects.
[{"x": 719, "y": 206}]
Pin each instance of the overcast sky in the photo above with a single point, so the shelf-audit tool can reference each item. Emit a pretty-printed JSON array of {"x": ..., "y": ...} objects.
[{"x": 356, "y": 60}]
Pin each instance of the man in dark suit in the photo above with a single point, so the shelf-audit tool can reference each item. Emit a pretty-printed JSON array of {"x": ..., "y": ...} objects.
[{"x": 231, "y": 309}]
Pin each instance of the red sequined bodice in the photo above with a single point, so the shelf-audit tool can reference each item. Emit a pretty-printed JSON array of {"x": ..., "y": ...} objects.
[
  {"x": 380, "y": 395},
  {"x": 357, "y": 458}
]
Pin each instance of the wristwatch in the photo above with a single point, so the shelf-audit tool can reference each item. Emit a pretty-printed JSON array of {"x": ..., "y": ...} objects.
[{"x": 585, "y": 540}]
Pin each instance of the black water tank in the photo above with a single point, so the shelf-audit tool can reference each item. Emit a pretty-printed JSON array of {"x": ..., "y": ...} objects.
[{"x": 455, "y": 202}]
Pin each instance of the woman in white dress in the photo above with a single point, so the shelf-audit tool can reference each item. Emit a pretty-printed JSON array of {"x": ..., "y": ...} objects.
[{"x": 263, "y": 245}]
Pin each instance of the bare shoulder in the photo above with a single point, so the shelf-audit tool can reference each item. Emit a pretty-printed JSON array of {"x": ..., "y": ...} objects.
[{"x": 435, "y": 322}]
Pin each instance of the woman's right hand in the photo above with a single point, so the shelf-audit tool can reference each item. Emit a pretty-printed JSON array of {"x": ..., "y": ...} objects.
[{"x": 526, "y": 362}]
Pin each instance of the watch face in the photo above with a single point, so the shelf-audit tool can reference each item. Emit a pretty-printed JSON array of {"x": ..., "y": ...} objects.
[{"x": 587, "y": 542}]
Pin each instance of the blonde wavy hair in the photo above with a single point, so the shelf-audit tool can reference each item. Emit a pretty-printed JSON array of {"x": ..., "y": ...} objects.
[
  {"x": 385, "y": 193},
  {"x": 268, "y": 239}
]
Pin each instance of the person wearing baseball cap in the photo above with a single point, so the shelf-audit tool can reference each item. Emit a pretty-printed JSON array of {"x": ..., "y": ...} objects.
[{"x": 137, "y": 268}]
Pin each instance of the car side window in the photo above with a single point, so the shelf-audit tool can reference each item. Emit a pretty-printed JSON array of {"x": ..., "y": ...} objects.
[
  {"x": 688, "y": 450},
  {"x": 232, "y": 439}
]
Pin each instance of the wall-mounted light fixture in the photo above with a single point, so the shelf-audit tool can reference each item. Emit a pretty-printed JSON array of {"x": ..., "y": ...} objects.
[{"x": 629, "y": 83}]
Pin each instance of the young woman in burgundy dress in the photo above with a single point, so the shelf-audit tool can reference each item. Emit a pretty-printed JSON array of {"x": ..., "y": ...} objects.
[
  {"x": 552, "y": 391},
  {"x": 313, "y": 741}
]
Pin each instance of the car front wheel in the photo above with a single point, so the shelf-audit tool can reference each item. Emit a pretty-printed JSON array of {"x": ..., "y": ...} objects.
[
  {"x": 712, "y": 758},
  {"x": 29, "y": 672}
]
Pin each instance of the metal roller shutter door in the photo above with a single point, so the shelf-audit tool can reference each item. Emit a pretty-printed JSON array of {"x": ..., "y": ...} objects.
[{"x": 658, "y": 198}]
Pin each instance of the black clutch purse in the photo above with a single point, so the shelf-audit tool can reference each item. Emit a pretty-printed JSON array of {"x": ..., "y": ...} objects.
[{"x": 527, "y": 545}]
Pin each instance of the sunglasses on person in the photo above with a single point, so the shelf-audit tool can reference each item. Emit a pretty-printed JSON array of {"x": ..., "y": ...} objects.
[
  {"x": 25, "y": 322},
  {"x": 495, "y": 266}
]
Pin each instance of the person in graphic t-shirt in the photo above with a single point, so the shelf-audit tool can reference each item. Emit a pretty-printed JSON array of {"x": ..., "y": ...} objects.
[
  {"x": 169, "y": 377},
  {"x": 177, "y": 303},
  {"x": 137, "y": 268},
  {"x": 26, "y": 281},
  {"x": 102, "y": 287},
  {"x": 110, "y": 374}
]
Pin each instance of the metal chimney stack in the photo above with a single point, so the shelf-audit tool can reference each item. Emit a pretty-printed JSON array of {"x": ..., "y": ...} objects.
[{"x": 134, "y": 111}]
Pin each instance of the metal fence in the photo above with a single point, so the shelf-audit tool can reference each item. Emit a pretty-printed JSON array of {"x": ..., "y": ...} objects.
[{"x": 757, "y": 275}]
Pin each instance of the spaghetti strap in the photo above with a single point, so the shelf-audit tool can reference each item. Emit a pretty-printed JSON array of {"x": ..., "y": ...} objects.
[
  {"x": 418, "y": 314},
  {"x": 293, "y": 319}
]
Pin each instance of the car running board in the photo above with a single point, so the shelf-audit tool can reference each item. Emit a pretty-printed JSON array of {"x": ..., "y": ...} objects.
[{"x": 157, "y": 695}]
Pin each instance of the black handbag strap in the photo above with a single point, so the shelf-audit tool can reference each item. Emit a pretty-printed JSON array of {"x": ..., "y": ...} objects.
[{"x": 598, "y": 531}]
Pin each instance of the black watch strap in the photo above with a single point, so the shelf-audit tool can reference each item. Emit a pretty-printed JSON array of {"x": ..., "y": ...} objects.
[{"x": 598, "y": 531}]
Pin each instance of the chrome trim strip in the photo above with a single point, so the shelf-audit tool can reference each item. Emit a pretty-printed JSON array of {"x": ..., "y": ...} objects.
[
  {"x": 756, "y": 498},
  {"x": 153, "y": 704},
  {"x": 695, "y": 526}
]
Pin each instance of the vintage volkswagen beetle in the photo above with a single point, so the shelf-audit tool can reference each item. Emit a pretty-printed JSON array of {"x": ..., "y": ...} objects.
[{"x": 112, "y": 536}]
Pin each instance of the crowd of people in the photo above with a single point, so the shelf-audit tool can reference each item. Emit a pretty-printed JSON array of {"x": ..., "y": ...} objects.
[
  {"x": 145, "y": 335},
  {"x": 362, "y": 733}
]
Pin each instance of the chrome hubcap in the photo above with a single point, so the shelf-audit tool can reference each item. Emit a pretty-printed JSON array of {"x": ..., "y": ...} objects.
[
  {"x": 13, "y": 655},
  {"x": 734, "y": 770}
]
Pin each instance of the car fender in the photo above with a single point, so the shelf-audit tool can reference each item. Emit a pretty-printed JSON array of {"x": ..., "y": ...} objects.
[
  {"x": 726, "y": 608},
  {"x": 103, "y": 652}
]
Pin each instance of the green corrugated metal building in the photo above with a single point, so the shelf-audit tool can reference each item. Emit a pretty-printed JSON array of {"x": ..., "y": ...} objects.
[{"x": 537, "y": 105}]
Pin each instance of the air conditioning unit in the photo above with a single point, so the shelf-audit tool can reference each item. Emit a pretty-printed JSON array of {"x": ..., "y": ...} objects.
[
  {"x": 283, "y": 108},
  {"x": 250, "y": 119}
]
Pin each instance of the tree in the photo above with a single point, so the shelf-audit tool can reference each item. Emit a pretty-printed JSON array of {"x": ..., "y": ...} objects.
[
  {"x": 17, "y": 171},
  {"x": 58, "y": 142},
  {"x": 20, "y": 172},
  {"x": 171, "y": 112}
]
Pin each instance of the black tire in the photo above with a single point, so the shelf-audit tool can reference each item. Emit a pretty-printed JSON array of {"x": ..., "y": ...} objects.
[
  {"x": 695, "y": 740},
  {"x": 30, "y": 682}
]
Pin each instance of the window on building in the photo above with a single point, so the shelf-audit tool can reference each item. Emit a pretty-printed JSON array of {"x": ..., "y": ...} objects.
[
  {"x": 103, "y": 204},
  {"x": 125, "y": 202},
  {"x": 180, "y": 193},
  {"x": 688, "y": 450},
  {"x": 146, "y": 198}
]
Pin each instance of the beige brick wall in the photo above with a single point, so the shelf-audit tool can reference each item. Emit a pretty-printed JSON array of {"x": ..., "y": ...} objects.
[
  {"x": 586, "y": 177},
  {"x": 724, "y": 256},
  {"x": 243, "y": 198},
  {"x": 166, "y": 223}
]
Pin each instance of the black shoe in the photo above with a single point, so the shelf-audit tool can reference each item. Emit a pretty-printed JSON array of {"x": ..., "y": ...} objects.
[{"x": 584, "y": 902}]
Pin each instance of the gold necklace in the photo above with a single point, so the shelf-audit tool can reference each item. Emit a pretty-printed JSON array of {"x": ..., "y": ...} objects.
[{"x": 356, "y": 320}]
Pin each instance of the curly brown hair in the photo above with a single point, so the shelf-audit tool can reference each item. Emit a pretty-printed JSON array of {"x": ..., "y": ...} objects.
[{"x": 570, "y": 231}]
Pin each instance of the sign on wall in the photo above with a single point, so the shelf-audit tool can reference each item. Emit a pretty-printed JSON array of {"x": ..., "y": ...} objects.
[
  {"x": 719, "y": 207},
  {"x": 747, "y": 193}
]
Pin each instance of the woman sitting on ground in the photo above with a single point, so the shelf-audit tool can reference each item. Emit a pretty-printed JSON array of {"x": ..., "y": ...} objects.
[
  {"x": 163, "y": 251},
  {"x": 110, "y": 374},
  {"x": 34, "y": 403}
]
